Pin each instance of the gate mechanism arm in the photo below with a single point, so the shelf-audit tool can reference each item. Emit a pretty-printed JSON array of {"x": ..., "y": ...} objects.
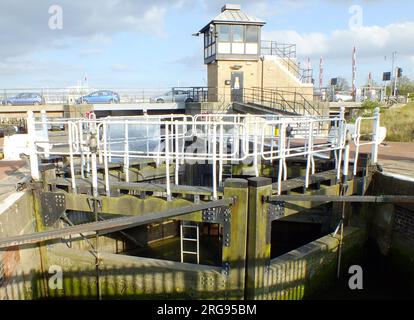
[
  {"x": 112, "y": 224},
  {"x": 325, "y": 198}
]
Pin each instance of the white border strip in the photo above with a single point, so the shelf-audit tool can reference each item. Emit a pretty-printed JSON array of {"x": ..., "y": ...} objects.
[
  {"x": 398, "y": 176},
  {"x": 10, "y": 200}
]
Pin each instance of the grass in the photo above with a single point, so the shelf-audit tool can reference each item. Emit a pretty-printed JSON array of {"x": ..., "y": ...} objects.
[{"x": 399, "y": 123}]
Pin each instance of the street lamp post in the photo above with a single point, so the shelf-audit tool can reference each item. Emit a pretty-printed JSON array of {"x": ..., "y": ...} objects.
[{"x": 394, "y": 55}]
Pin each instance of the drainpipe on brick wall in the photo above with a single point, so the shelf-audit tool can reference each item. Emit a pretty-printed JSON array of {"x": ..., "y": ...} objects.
[{"x": 262, "y": 59}]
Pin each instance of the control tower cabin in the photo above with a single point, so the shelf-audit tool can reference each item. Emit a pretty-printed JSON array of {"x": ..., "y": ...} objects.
[{"x": 238, "y": 59}]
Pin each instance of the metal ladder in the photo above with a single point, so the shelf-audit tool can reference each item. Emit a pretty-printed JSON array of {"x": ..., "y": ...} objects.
[
  {"x": 189, "y": 225},
  {"x": 227, "y": 170}
]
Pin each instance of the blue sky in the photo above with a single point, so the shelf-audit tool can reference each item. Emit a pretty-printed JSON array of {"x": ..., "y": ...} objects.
[{"x": 135, "y": 44}]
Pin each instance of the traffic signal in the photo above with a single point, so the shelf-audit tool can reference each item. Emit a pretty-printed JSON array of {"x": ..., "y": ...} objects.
[
  {"x": 386, "y": 76},
  {"x": 399, "y": 72}
]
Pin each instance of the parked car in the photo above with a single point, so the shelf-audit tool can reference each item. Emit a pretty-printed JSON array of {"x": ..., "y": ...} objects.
[
  {"x": 174, "y": 96},
  {"x": 102, "y": 96},
  {"x": 25, "y": 99},
  {"x": 343, "y": 97}
]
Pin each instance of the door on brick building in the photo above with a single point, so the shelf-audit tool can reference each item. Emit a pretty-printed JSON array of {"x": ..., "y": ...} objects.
[{"x": 237, "y": 86}]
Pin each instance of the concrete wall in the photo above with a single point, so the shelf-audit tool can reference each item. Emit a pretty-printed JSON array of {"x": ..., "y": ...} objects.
[
  {"x": 275, "y": 75},
  {"x": 19, "y": 267},
  {"x": 76, "y": 111},
  {"x": 21, "y": 111},
  {"x": 220, "y": 71},
  {"x": 133, "y": 277},
  {"x": 392, "y": 228},
  {"x": 194, "y": 108},
  {"x": 58, "y": 110},
  {"x": 312, "y": 268}
]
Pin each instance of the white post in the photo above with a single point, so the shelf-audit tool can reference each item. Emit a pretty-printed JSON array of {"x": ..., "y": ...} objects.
[
  {"x": 126, "y": 152},
  {"x": 81, "y": 146},
  {"x": 346, "y": 162},
  {"x": 375, "y": 135},
  {"x": 340, "y": 140},
  {"x": 45, "y": 132},
  {"x": 105, "y": 155},
  {"x": 221, "y": 138},
  {"x": 357, "y": 136},
  {"x": 255, "y": 147},
  {"x": 236, "y": 138},
  {"x": 281, "y": 150},
  {"x": 214, "y": 163},
  {"x": 108, "y": 137},
  {"x": 93, "y": 148},
  {"x": 308, "y": 162},
  {"x": 31, "y": 131},
  {"x": 71, "y": 159},
  {"x": 167, "y": 162},
  {"x": 177, "y": 148},
  {"x": 147, "y": 129},
  {"x": 184, "y": 131},
  {"x": 94, "y": 174}
]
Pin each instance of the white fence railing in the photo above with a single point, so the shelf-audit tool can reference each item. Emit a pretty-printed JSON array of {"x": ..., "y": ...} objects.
[{"x": 217, "y": 139}]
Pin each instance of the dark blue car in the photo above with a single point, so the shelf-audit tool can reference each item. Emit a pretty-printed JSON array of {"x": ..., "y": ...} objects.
[
  {"x": 25, "y": 99},
  {"x": 102, "y": 96}
]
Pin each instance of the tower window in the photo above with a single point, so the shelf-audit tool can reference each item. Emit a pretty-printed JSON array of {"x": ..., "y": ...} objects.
[
  {"x": 252, "y": 34},
  {"x": 238, "y": 33},
  {"x": 223, "y": 33}
]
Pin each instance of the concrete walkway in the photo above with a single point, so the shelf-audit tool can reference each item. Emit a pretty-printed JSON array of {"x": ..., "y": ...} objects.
[
  {"x": 394, "y": 157},
  {"x": 10, "y": 173}
]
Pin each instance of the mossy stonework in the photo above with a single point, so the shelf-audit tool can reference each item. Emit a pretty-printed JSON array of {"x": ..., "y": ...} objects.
[{"x": 246, "y": 268}]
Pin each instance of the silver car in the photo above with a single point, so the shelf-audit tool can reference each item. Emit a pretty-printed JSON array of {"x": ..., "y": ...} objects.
[
  {"x": 343, "y": 97},
  {"x": 174, "y": 96}
]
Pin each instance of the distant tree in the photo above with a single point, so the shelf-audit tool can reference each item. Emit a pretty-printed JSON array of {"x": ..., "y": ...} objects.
[
  {"x": 342, "y": 85},
  {"x": 405, "y": 85}
]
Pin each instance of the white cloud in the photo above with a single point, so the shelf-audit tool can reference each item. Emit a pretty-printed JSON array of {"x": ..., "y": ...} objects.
[
  {"x": 25, "y": 28},
  {"x": 11, "y": 68},
  {"x": 371, "y": 41},
  {"x": 260, "y": 8}
]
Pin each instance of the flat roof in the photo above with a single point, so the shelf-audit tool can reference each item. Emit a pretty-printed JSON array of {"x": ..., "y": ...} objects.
[{"x": 232, "y": 14}]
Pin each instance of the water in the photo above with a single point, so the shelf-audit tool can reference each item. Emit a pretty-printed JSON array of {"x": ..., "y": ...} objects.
[
  {"x": 142, "y": 139},
  {"x": 380, "y": 281}
]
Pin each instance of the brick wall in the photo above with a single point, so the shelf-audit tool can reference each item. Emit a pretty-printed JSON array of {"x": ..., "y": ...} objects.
[
  {"x": 310, "y": 269},
  {"x": 404, "y": 222}
]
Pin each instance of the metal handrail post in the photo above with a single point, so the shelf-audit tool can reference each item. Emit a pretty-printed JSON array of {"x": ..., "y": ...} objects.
[{"x": 34, "y": 161}]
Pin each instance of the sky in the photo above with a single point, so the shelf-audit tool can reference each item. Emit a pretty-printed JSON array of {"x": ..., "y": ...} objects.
[{"x": 149, "y": 44}]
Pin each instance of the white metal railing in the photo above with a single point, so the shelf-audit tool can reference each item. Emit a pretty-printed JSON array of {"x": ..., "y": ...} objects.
[
  {"x": 216, "y": 139},
  {"x": 373, "y": 137}
]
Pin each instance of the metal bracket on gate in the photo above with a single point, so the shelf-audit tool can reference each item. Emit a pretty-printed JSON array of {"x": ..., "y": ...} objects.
[
  {"x": 226, "y": 269},
  {"x": 276, "y": 210},
  {"x": 53, "y": 207},
  {"x": 220, "y": 215},
  {"x": 215, "y": 215},
  {"x": 91, "y": 203}
]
